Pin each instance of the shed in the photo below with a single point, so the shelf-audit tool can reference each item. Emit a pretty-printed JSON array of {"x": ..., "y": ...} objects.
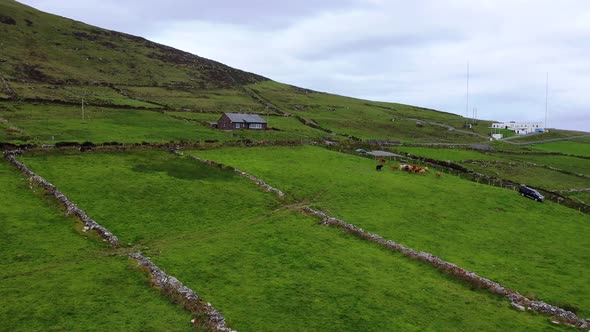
[{"x": 231, "y": 121}]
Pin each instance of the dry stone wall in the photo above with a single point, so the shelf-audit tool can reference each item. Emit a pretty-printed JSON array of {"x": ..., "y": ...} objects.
[
  {"x": 71, "y": 208},
  {"x": 518, "y": 301},
  {"x": 170, "y": 285},
  {"x": 205, "y": 313}
]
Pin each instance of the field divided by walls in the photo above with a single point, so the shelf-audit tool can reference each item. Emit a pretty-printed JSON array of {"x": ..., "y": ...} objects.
[
  {"x": 54, "y": 277},
  {"x": 258, "y": 259},
  {"x": 537, "y": 249}
]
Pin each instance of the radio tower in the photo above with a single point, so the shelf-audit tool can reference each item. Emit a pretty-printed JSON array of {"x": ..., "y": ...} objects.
[{"x": 546, "y": 98}]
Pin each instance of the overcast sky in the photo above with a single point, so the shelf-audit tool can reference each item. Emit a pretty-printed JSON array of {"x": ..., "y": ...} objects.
[{"x": 413, "y": 52}]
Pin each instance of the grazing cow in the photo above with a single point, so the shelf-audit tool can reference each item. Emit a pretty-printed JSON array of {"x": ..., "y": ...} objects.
[
  {"x": 383, "y": 161},
  {"x": 422, "y": 171},
  {"x": 426, "y": 169},
  {"x": 403, "y": 167},
  {"x": 438, "y": 174},
  {"x": 378, "y": 167}
]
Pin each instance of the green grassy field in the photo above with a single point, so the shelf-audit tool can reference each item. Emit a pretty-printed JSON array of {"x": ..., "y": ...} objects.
[
  {"x": 523, "y": 173},
  {"x": 566, "y": 163},
  {"x": 263, "y": 265},
  {"x": 54, "y": 123},
  {"x": 489, "y": 230},
  {"x": 534, "y": 176},
  {"x": 53, "y": 277},
  {"x": 551, "y": 134},
  {"x": 579, "y": 147}
]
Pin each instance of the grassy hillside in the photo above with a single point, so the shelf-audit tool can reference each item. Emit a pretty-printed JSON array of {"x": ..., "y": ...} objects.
[
  {"x": 365, "y": 119},
  {"x": 48, "y": 60},
  {"x": 489, "y": 230},
  {"x": 52, "y": 278},
  {"x": 265, "y": 266},
  {"x": 39, "y": 47}
]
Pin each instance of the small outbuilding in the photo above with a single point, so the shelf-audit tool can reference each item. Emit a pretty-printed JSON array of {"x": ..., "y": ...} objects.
[{"x": 231, "y": 121}]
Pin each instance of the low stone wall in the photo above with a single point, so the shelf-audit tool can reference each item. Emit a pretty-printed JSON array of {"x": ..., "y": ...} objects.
[
  {"x": 517, "y": 300},
  {"x": 71, "y": 208},
  {"x": 214, "y": 320},
  {"x": 254, "y": 179},
  {"x": 485, "y": 163}
]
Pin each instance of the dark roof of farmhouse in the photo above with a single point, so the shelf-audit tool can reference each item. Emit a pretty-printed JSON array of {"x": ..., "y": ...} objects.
[{"x": 245, "y": 117}]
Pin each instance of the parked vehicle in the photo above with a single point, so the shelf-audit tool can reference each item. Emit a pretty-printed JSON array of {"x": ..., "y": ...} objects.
[{"x": 531, "y": 193}]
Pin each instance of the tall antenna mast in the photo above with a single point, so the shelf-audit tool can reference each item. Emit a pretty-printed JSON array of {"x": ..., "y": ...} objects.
[
  {"x": 467, "y": 94},
  {"x": 546, "y": 98}
]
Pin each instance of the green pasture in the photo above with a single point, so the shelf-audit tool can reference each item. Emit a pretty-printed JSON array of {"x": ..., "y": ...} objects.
[
  {"x": 263, "y": 264},
  {"x": 54, "y": 123},
  {"x": 489, "y": 230},
  {"x": 551, "y": 134},
  {"x": 580, "y": 147},
  {"x": 62, "y": 123},
  {"x": 534, "y": 176},
  {"x": 53, "y": 277},
  {"x": 531, "y": 175},
  {"x": 566, "y": 163}
]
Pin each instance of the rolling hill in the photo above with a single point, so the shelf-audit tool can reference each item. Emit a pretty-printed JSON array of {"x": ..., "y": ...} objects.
[
  {"x": 50, "y": 60},
  {"x": 115, "y": 129}
]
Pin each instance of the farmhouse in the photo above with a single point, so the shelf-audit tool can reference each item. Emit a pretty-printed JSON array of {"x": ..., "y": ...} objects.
[
  {"x": 520, "y": 128},
  {"x": 231, "y": 121}
]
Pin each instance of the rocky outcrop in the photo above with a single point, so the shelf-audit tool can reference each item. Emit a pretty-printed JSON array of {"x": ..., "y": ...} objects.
[
  {"x": 517, "y": 300},
  {"x": 171, "y": 286},
  {"x": 71, "y": 208}
]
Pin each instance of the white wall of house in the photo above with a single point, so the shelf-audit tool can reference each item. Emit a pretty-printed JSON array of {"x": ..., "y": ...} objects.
[{"x": 520, "y": 128}]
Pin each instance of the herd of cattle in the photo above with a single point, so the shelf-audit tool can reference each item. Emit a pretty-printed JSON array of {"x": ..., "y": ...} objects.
[{"x": 407, "y": 168}]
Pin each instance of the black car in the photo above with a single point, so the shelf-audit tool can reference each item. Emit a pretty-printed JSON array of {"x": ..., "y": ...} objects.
[{"x": 531, "y": 193}]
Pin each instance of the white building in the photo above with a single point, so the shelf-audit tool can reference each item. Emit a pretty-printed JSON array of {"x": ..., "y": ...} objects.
[{"x": 520, "y": 128}]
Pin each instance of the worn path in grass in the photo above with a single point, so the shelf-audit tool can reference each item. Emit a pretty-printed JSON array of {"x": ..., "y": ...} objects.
[
  {"x": 52, "y": 277},
  {"x": 538, "y": 249},
  {"x": 264, "y": 266}
]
